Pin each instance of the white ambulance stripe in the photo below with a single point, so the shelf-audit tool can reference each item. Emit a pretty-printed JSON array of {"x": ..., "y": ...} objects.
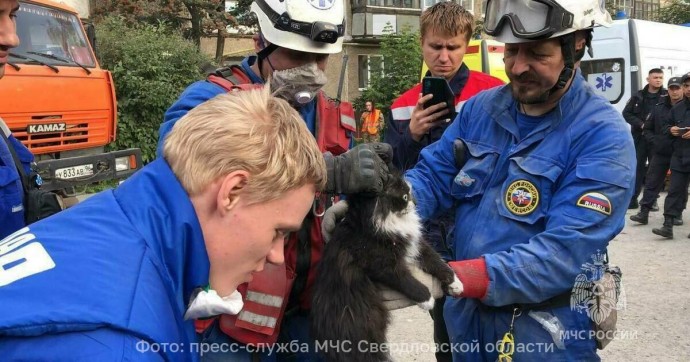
[
  {"x": 257, "y": 319},
  {"x": 348, "y": 121},
  {"x": 402, "y": 113},
  {"x": 265, "y": 299}
]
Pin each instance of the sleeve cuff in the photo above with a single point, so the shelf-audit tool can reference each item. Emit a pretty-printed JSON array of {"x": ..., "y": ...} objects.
[{"x": 473, "y": 276}]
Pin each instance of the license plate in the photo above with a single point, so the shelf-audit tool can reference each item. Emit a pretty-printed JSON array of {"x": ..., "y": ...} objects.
[{"x": 74, "y": 172}]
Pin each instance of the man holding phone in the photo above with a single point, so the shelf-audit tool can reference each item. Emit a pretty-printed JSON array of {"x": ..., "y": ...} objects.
[{"x": 415, "y": 122}]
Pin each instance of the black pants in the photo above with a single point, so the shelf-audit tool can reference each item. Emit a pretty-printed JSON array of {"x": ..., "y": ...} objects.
[
  {"x": 443, "y": 354},
  {"x": 677, "y": 193},
  {"x": 643, "y": 151},
  {"x": 654, "y": 180}
]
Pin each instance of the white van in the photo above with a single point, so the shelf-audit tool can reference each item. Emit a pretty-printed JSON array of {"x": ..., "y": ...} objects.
[{"x": 625, "y": 52}]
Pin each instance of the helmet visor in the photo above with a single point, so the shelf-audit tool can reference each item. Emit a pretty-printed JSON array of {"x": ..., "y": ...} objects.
[{"x": 528, "y": 19}]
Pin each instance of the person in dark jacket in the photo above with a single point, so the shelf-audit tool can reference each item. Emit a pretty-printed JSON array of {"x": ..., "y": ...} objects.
[
  {"x": 637, "y": 110},
  {"x": 679, "y": 129},
  {"x": 445, "y": 33},
  {"x": 656, "y": 134}
]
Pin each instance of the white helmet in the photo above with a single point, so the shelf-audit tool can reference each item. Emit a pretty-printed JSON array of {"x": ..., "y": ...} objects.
[
  {"x": 520, "y": 21},
  {"x": 313, "y": 26}
]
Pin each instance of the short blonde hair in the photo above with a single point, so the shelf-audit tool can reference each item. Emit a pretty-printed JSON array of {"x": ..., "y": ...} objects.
[
  {"x": 447, "y": 18},
  {"x": 246, "y": 130}
]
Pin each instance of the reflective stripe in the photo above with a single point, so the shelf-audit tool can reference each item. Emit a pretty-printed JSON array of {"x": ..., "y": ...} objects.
[
  {"x": 458, "y": 107},
  {"x": 348, "y": 121},
  {"x": 402, "y": 113},
  {"x": 265, "y": 299},
  {"x": 257, "y": 319}
]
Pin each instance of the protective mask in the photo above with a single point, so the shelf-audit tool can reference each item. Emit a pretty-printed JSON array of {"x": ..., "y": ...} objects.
[
  {"x": 207, "y": 303},
  {"x": 298, "y": 85}
]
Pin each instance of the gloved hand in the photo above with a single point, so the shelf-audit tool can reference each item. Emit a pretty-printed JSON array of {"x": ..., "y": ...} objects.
[
  {"x": 331, "y": 218},
  {"x": 392, "y": 299},
  {"x": 361, "y": 169}
]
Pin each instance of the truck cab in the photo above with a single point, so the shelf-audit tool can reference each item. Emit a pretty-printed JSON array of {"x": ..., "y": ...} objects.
[{"x": 58, "y": 101}]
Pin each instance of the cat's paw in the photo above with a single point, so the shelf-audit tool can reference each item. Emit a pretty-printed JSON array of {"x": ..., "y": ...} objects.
[
  {"x": 455, "y": 288},
  {"x": 428, "y": 305}
]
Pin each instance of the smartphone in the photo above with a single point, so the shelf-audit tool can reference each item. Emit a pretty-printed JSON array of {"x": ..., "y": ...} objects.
[{"x": 440, "y": 88}]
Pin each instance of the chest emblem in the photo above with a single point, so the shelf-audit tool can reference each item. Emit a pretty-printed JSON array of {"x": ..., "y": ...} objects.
[
  {"x": 521, "y": 197},
  {"x": 596, "y": 202}
]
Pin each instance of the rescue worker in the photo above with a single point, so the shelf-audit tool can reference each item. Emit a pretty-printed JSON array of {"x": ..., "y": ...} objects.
[
  {"x": 656, "y": 129},
  {"x": 122, "y": 275},
  {"x": 12, "y": 200},
  {"x": 295, "y": 40},
  {"x": 547, "y": 174},
  {"x": 445, "y": 31},
  {"x": 679, "y": 128},
  {"x": 372, "y": 123},
  {"x": 636, "y": 111}
]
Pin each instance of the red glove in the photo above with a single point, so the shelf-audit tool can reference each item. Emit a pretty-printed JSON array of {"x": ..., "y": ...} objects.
[{"x": 473, "y": 275}]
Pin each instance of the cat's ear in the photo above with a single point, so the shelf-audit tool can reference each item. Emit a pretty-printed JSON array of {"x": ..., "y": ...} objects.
[{"x": 233, "y": 186}]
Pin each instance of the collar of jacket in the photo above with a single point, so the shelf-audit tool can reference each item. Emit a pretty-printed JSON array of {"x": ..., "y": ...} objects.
[
  {"x": 168, "y": 223},
  {"x": 501, "y": 104}
]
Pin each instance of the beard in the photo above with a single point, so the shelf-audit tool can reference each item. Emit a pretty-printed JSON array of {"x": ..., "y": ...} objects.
[{"x": 525, "y": 93}]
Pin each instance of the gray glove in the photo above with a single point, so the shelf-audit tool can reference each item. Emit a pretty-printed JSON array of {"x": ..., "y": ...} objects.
[
  {"x": 331, "y": 218},
  {"x": 361, "y": 169},
  {"x": 392, "y": 299}
]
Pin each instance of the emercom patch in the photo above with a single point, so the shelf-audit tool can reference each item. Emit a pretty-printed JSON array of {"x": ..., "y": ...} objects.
[{"x": 595, "y": 201}]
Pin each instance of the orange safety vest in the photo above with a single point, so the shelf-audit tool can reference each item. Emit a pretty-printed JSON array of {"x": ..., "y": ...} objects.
[
  {"x": 266, "y": 297},
  {"x": 370, "y": 122}
]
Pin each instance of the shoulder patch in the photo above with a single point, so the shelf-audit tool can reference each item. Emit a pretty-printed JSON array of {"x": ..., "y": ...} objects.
[{"x": 595, "y": 201}]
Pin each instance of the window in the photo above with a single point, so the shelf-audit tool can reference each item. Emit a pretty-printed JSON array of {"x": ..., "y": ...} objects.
[
  {"x": 605, "y": 76},
  {"x": 368, "y": 65},
  {"x": 52, "y": 36},
  {"x": 401, "y": 4}
]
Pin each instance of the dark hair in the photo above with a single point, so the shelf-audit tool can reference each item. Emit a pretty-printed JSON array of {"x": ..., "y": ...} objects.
[{"x": 656, "y": 70}]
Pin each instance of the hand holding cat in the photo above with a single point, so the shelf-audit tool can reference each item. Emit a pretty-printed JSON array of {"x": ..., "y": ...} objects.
[{"x": 361, "y": 169}]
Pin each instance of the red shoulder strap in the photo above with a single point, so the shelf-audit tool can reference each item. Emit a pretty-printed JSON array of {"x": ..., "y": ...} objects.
[{"x": 232, "y": 78}]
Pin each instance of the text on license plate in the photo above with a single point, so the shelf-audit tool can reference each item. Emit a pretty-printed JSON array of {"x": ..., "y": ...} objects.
[{"x": 74, "y": 171}]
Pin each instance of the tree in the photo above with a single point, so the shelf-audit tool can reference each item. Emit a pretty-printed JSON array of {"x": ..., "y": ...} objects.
[
  {"x": 677, "y": 12},
  {"x": 151, "y": 65},
  {"x": 402, "y": 63},
  {"x": 196, "y": 18}
]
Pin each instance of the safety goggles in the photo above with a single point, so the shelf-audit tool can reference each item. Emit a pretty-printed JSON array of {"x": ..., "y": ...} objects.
[
  {"x": 528, "y": 19},
  {"x": 317, "y": 31}
]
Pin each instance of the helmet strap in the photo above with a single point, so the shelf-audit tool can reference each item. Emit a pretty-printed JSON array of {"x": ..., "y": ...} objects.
[
  {"x": 264, "y": 53},
  {"x": 568, "y": 51}
]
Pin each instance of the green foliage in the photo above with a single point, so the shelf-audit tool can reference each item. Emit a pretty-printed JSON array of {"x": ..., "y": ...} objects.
[
  {"x": 402, "y": 63},
  {"x": 151, "y": 65},
  {"x": 677, "y": 12}
]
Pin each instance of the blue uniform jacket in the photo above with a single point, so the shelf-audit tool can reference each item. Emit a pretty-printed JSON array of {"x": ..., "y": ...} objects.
[
  {"x": 11, "y": 191},
  {"x": 535, "y": 209},
  {"x": 92, "y": 282}
]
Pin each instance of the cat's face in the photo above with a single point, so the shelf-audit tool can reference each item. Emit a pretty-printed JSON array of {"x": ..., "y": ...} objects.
[
  {"x": 396, "y": 197},
  {"x": 395, "y": 210}
]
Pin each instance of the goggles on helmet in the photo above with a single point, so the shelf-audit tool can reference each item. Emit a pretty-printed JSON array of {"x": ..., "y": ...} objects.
[
  {"x": 317, "y": 31},
  {"x": 528, "y": 19}
]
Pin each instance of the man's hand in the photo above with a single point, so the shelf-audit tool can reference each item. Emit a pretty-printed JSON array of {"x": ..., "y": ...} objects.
[
  {"x": 392, "y": 299},
  {"x": 361, "y": 169},
  {"x": 423, "y": 120}
]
